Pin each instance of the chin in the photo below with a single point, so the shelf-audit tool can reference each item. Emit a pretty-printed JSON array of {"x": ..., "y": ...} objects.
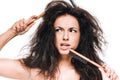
[{"x": 64, "y": 52}]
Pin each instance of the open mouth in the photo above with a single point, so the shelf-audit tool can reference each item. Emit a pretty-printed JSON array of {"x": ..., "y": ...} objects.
[{"x": 65, "y": 46}]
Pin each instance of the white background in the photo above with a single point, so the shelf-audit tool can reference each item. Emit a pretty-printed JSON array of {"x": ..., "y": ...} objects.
[{"x": 106, "y": 11}]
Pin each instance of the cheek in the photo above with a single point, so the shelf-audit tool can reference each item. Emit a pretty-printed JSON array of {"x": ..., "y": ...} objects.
[
  {"x": 57, "y": 39},
  {"x": 76, "y": 40}
]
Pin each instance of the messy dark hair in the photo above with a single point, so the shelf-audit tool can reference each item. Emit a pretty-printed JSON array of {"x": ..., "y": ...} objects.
[{"x": 44, "y": 54}]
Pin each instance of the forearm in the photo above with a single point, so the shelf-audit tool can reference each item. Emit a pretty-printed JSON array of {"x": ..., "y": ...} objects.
[
  {"x": 6, "y": 37},
  {"x": 19, "y": 28}
]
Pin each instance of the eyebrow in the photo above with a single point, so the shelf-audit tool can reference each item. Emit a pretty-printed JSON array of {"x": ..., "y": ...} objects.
[
  {"x": 74, "y": 28},
  {"x": 63, "y": 28},
  {"x": 58, "y": 27}
]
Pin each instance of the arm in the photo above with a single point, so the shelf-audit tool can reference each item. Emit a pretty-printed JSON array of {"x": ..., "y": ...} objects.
[
  {"x": 5, "y": 37},
  {"x": 14, "y": 68},
  {"x": 19, "y": 28}
]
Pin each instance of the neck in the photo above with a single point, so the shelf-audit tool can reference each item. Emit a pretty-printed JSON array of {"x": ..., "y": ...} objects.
[{"x": 65, "y": 61}]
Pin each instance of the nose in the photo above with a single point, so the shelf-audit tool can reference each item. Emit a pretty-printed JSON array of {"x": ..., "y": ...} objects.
[{"x": 66, "y": 36}]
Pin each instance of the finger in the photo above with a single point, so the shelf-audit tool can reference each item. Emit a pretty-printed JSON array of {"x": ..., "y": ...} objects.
[
  {"x": 21, "y": 22},
  {"x": 29, "y": 26},
  {"x": 26, "y": 26},
  {"x": 111, "y": 74},
  {"x": 20, "y": 25},
  {"x": 34, "y": 17},
  {"x": 14, "y": 27},
  {"x": 17, "y": 26},
  {"x": 114, "y": 75},
  {"x": 31, "y": 20}
]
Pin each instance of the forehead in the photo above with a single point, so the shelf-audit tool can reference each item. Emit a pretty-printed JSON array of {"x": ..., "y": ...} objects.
[{"x": 66, "y": 20}]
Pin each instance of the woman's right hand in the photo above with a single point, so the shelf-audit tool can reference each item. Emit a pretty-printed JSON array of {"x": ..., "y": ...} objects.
[
  {"x": 22, "y": 26},
  {"x": 19, "y": 28}
]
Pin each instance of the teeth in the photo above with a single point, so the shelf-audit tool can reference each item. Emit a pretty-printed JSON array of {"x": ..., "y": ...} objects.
[{"x": 64, "y": 45}]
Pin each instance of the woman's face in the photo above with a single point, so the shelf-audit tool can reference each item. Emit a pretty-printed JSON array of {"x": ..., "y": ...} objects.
[{"x": 67, "y": 33}]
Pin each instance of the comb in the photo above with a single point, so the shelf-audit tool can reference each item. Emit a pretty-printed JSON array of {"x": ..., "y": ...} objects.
[
  {"x": 81, "y": 57},
  {"x": 39, "y": 16}
]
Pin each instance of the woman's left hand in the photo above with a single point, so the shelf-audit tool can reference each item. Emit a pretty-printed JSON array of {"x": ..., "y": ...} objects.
[{"x": 111, "y": 74}]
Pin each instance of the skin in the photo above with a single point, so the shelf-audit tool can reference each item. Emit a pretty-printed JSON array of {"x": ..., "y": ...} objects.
[
  {"x": 66, "y": 69},
  {"x": 67, "y": 36},
  {"x": 67, "y": 33}
]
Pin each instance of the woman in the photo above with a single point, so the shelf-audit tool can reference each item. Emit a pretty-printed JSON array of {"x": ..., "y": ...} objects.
[{"x": 63, "y": 28}]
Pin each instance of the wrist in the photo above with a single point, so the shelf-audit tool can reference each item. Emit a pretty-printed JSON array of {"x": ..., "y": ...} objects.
[
  {"x": 12, "y": 31},
  {"x": 6, "y": 37}
]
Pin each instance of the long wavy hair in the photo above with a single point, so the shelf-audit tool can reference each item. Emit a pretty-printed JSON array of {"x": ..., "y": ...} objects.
[{"x": 44, "y": 54}]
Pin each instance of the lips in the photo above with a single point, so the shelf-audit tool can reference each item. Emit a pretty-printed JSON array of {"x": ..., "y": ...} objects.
[{"x": 64, "y": 46}]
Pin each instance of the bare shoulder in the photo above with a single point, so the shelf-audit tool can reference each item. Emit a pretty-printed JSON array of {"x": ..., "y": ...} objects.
[{"x": 13, "y": 68}]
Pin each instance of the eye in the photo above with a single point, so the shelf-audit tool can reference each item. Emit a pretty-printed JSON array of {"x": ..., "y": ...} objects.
[
  {"x": 73, "y": 30},
  {"x": 58, "y": 29}
]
